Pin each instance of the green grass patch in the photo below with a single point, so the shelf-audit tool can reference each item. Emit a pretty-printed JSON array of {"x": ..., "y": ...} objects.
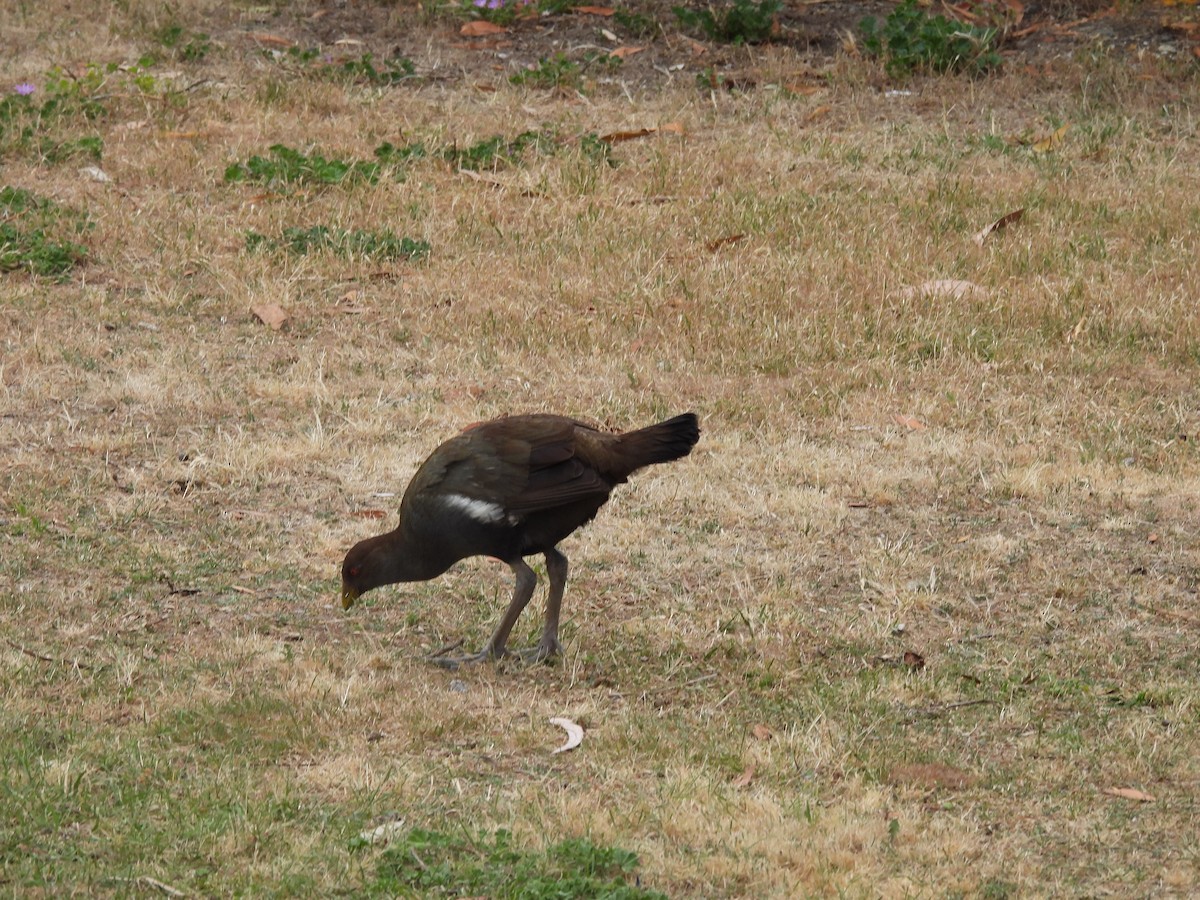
[
  {"x": 434, "y": 863},
  {"x": 37, "y": 235}
]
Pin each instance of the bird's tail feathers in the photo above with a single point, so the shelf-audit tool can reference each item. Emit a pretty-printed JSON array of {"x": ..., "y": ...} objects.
[{"x": 660, "y": 443}]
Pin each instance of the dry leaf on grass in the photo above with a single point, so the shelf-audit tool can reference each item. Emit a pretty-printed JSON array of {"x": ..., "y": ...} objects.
[
  {"x": 369, "y": 513},
  {"x": 616, "y": 137},
  {"x": 1052, "y": 141},
  {"x": 271, "y": 314},
  {"x": 762, "y": 732},
  {"x": 271, "y": 40},
  {"x": 574, "y": 734},
  {"x": 714, "y": 246},
  {"x": 625, "y": 52},
  {"x": 743, "y": 780},
  {"x": 999, "y": 225},
  {"x": 672, "y": 128},
  {"x": 1129, "y": 794},
  {"x": 930, "y": 775},
  {"x": 912, "y": 423},
  {"x": 945, "y": 289},
  {"x": 913, "y": 660},
  {"x": 480, "y": 28},
  {"x": 594, "y": 10}
]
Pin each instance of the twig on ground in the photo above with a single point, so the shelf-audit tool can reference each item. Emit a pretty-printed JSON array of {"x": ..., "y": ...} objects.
[{"x": 74, "y": 663}]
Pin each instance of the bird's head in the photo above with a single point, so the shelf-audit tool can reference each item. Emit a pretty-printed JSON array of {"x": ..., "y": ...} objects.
[
  {"x": 385, "y": 559},
  {"x": 360, "y": 572}
]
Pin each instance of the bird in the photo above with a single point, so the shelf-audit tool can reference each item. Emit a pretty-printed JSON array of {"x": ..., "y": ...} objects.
[{"x": 509, "y": 488}]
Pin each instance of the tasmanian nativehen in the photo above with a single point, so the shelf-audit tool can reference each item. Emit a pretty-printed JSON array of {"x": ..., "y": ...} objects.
[{"x": 509, "y": 488}]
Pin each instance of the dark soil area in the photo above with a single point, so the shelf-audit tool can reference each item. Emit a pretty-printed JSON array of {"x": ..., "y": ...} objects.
[{"x": 661, "y": 49}]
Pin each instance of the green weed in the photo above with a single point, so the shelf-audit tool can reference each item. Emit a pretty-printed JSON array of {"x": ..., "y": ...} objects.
[
  {"x": 34, "y": 234},
  {"x": 184, "y": 45},
  {"x": 910, "y": 41},
  {"x": 495, "y": 150},
  {"x": 639, "y": 25},
  {"x": 740, "y": 22},
  {"x": 287, "y": 166},
  {"x": 389, "y": 72},
  {"x": 557, "y": 71},
  {"x": 390, "y": 155}
]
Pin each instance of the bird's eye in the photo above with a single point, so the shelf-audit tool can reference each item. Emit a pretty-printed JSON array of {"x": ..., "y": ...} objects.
[{"x": 354, "y": 570}]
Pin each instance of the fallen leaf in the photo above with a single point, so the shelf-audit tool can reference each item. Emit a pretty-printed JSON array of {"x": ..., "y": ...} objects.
[
  {"x": 698, "y": 49},
  {"x": 672, "y": 128},
  {"x": 594, "y": 10},
  {"x": 743, "y": 780},
  {"x": 271, "y": 314},
  {"x": 616, "y": 137},
  {"x": 762, "y": 732},
  {"x": 819, "y": 112},
  {"x": 1153, "y": 537},
  {"x": 999, "y": 225},
  {"x": 480, "y": 28},
  {"x": 95, "y": 173},
  {"x": 1078, "y": 329},
  {"x": 910, "y": 422},
  {"x": 914, "y": 660},
  {"x": 945, "y": 289},
  {"x": 625, "y": 52},
  {"x": 574, "y": 734},
  {"x": 1053, "y": 141},
  {"x": 608, "y": 35},
  {"x": 272, "y": 40},
  {"x": 714, "y": 246},
  {"x": 369, "y": 513},
  {"x": 1129, "y": 794},
  {"x": 347, "y": 42},
  {"x": 930, "y": 775}
]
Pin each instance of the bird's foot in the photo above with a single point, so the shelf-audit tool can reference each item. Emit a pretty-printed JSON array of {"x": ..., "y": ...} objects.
[
  {"x": 487, "y": 654},
  {"x": 544, "y": 651}
]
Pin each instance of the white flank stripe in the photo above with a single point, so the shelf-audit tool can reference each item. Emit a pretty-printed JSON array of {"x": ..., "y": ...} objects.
[{"x": 479, "y": 510}]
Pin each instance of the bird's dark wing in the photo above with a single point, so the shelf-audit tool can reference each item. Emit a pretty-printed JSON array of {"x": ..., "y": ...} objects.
[{"x": 522, "y": 463}]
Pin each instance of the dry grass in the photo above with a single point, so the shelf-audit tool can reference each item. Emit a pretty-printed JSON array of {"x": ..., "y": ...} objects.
[{"x": 185, "y": 701}]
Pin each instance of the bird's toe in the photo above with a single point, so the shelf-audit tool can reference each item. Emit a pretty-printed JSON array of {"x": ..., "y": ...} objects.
[{"x": 487, "y": 654}]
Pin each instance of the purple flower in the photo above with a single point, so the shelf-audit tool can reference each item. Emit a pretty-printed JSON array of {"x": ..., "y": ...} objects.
[{"x": 24, "y": 88}]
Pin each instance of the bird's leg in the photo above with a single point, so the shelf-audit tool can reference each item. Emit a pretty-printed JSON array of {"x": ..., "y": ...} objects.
[
  {"x": 556, "y": 572},
  {"x": 496, "y": 645}
]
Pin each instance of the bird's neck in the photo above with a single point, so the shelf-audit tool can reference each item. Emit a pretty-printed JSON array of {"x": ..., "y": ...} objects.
[{"x": 406, "y": 557}]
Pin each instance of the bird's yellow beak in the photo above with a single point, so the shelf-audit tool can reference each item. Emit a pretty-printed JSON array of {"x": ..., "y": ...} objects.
[{"x": 349, "y": 595}]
